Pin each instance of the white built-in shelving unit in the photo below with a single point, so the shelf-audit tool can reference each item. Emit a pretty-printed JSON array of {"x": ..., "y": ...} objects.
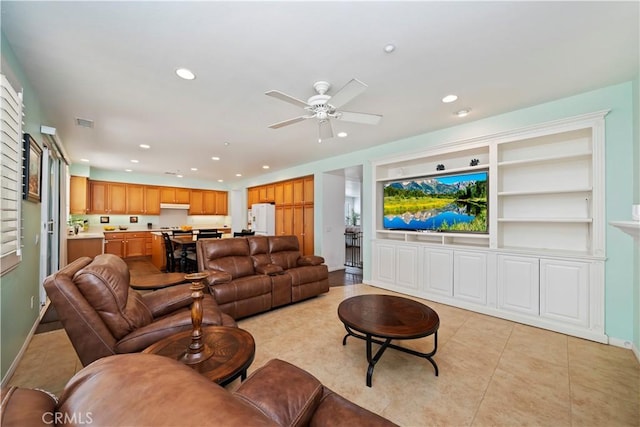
[{"x": 542, "y": 261}]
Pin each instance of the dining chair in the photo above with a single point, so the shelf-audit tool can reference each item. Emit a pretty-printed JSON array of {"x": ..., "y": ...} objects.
[
  {"x": 208, "y": 235},
  {"x": 173, "y": 256}
]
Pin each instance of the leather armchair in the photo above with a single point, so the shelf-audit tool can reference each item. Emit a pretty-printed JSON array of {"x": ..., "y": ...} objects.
[
  {"x": 167, "y": 393},
  {"x": 103, "y": 316}
]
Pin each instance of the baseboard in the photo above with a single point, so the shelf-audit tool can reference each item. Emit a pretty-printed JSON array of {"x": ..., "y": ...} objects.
[
  {"x": 23, "y": 349},
  {"x": 625, "y": 344}
]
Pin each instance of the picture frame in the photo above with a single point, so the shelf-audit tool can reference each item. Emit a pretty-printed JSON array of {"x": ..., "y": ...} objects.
[
  {"x": 104, "y": 220},
  {"x": 32, "y": 171},
  {"x": 133, "y": 219}
]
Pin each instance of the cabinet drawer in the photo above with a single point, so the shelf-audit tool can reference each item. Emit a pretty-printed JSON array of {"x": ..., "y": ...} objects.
[
  {"x": 113, "y": 236},
  {"x": 137, "y": 235}
]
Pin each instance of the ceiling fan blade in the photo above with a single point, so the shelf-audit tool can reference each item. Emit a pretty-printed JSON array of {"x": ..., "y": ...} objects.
[
  {"x": 326, "y": 132},
  {"x": 288, "y": 122},
  {"x": 365, "y": 118},
  {"x": 352, "y": 89},
  {"x": 286, "y": 98}
]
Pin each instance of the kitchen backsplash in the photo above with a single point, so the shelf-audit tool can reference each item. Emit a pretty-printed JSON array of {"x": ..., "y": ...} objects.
[{"x": 156, "y": 221}]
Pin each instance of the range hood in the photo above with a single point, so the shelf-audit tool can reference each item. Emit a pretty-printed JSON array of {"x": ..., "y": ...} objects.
[{"x": 174, "y": 206}]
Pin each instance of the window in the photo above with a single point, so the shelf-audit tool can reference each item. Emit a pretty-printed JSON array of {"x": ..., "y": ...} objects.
[{"x": 10, "y": 174}]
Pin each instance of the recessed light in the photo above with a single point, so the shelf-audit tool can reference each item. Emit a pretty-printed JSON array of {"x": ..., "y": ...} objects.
[
  {"x": 319, "y": 140},
  {"x": 238, "y": 174},
  {"x": 215, "y": 158},
  {"x": 145, "y": 146},
  {"x": 128, "y": 170},
  {"x": 185, "y": 74},
  {"x": 84, "y": 160},
  {"x": 449, "y": 98},
  {"x": 179, "y": 176},
  {"x": 389, "y": 48},
  {"x": 226, "y": 144},
  {"x": 342, "y": 134},
  {"x": 135, "y": 161},
  {"x": 194, "y": 169},
  {"x": 265, "y": 166},
  {"x": 221, "y": 180},
  {"x": 463, "y": 113}
]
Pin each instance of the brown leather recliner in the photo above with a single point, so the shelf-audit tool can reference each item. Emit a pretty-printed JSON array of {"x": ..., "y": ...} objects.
[
  {"x": 309, "y": 275},
  {"x": 166, "y": 393},
  {"x": 103, "y": 316}
]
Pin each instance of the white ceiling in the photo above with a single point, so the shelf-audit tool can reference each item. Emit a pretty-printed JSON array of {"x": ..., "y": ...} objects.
[{"x": 114, "y": 63}]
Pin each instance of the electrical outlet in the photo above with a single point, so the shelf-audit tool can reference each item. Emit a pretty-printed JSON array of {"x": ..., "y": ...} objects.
[{"x": 32, "y": 298}]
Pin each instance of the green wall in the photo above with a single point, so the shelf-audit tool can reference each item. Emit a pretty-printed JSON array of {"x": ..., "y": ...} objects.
[{"x": 19, "y": 285}]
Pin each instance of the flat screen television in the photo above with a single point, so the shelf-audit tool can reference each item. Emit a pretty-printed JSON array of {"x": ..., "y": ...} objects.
[{"x": 455, "y": 202}]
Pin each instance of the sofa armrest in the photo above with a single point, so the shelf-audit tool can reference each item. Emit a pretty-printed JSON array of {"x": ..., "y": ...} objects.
[
  {"x": 285, "y": 393},
  {"x": 269, "y": 269},
  {"x": 335, "y": 410},
  {"x": 27, "y": 407},
  {"x": 217, "y": 277},
  {"x": 168, "y": 300},
  {"x": 310, "y": 260}
]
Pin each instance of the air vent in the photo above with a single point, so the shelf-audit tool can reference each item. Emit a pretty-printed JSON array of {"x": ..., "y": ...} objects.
[{"x": 85, "y": 123}]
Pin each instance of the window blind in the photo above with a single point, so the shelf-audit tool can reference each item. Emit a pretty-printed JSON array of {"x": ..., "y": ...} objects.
[{"x": 10, "y": 175}]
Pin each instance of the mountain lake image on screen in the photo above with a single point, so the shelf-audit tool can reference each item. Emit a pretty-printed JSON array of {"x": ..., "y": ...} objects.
[{"x": 447, "y": 203}]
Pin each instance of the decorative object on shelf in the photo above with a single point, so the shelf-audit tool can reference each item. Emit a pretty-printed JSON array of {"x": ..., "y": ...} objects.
[
  {"x": 474, "y": 162},
  {"x": 32, "y": 170},
  {"x": 104, "y": 220},
  {"x": 440, "y": 167},
  {"x": 197, "y": 351}
]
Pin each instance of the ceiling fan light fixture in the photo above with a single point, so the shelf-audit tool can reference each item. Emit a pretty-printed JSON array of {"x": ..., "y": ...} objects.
[
  {"x": 449, "y": 98},
  {"x": 185, "y": 73}
]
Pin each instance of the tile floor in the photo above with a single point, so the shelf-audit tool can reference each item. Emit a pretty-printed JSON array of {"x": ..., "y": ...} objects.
[{"x": 492, "y": 371}]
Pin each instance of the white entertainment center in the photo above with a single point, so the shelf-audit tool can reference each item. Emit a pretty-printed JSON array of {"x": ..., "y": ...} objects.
[{"x": 542, "y": 261}]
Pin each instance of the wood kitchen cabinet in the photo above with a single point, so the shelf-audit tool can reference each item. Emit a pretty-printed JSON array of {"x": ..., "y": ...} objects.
[
  {"x": 77, "y": 248},
  {"x": 174, "y": 195},
  {"x": 222, "y": 203},
  {"x": 78, "y": 195},
  {"x": 143, "y": 199},
  {"x": 294, "y": 208},
  {"x": 158, "y": 257},
  {"x": 126, "y": 245},
  {"x": 108, "y": 197},
  {"x": 114, "y": 244}
]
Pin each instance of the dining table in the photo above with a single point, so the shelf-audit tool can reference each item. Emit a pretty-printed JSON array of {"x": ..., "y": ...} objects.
[{"x": 184, "y": 241}]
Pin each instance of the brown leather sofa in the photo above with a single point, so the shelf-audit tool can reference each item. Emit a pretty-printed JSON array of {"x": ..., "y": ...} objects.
[
  {"x": 103, "y": 316},
  {"x": 151, "y": 390},
  {"x": 250, "y": 275}
]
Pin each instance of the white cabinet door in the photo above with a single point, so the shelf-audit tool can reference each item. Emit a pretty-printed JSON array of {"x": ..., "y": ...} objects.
[
  {"x": 518, "y": 284},
  {"x": 407, "y": 266},
  {"x": 385, "y": 262},
  {"x": 470, "y": 276},
  {"x": 437, "y": 271},
  {"x": 564, "y": 291}
]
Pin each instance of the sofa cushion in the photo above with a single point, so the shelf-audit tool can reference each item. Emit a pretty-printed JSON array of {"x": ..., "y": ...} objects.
[
  {"x": 285, "y": 393},
  {"x": 26, "y": 407},
  {"x": 229, "y": 255},
  {"x": 259, "y": 250},
  {"x": 284, "y": 251},
  {"x": 105, "y": 285}
]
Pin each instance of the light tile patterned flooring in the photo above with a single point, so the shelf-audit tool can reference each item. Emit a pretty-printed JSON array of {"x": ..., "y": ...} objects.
[{"x": 492, "y": 371}]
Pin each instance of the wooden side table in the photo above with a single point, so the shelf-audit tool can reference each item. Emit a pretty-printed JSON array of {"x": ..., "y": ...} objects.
[{"x": 233, "y": 352}]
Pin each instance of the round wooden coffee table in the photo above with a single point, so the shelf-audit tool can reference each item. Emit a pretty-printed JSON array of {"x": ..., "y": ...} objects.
[
  {"x": 233, "y": 352},
  {"x": 388, "y": 317}
]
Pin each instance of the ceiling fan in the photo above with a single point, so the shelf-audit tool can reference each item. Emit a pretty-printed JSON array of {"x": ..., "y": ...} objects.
[{"x": 325, "y": 107}]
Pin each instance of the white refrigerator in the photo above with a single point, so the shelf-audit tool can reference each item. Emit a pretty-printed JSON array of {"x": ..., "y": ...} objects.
[{"x": 264, "y": 219}]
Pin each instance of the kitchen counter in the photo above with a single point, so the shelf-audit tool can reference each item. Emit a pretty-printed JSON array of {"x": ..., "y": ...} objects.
[{"x": 83, "y": 235}]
